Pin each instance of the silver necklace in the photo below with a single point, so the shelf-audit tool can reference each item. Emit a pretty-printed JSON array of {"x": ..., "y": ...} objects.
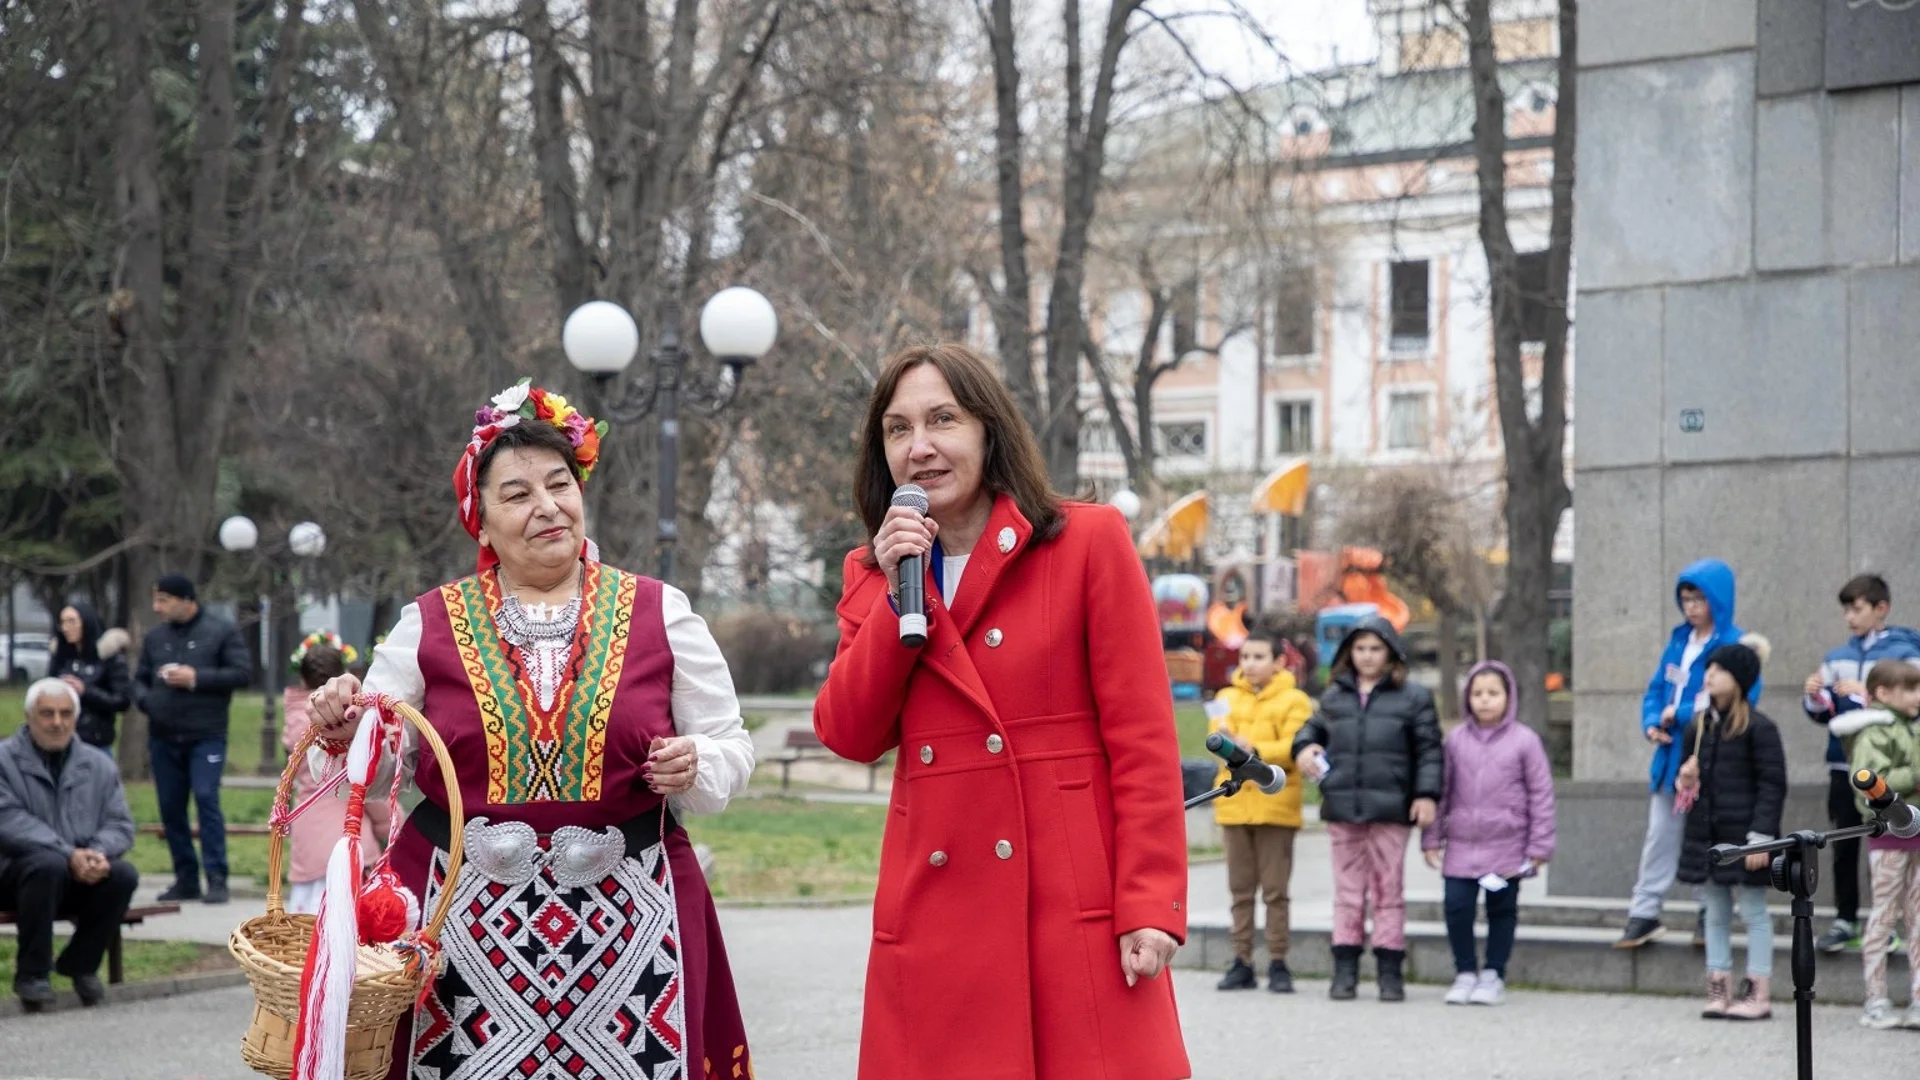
[{"x": 530, "y": 629}]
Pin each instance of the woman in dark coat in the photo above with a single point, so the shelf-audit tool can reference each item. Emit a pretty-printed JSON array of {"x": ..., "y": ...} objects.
[
  {"x": 1374, "y": 747},
  {"x": 93, "y": 662},
  {"x": 1737, "y": 774}
]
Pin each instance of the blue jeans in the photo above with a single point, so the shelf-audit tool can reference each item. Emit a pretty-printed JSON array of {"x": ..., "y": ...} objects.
[
  {"x": 195, "y": 765},
  {"x": 1503, "y": 916},
  {"x": 1716, "y": 906}
]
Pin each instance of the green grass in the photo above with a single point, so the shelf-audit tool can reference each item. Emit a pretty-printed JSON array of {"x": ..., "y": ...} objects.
[
  {"x": 145, "y": 960},
  {"x": 773, "y": 847},
  {"x": 243, "y": 729}
]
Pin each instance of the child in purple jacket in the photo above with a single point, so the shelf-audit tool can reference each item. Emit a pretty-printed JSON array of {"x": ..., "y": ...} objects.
[{"x": 1494, "y": 827}]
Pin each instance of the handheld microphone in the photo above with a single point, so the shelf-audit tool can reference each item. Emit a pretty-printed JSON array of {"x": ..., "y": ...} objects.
[
  {"x": 1886, "y": 804},
  {"x": 913, "y": 575},
  {"x": 1245, "y": 767}
]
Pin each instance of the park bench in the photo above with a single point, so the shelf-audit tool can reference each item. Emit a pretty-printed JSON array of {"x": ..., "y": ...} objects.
[
  {"x": 803, "y": 745},
  {"x": 116, "y": 962}
]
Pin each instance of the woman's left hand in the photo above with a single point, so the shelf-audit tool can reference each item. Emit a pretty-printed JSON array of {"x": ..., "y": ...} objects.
[
  {"x": 1145, "y": 954},
  {"x": 1758, "y": 860},
  {"x": 671, "y": 765}
]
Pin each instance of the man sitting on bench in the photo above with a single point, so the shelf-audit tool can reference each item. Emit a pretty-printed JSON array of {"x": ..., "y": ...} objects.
[{"x": 64, "y": 833}]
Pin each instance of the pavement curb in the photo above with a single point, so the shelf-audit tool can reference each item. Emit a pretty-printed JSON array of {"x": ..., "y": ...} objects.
[{"x": 128, "y": 993}]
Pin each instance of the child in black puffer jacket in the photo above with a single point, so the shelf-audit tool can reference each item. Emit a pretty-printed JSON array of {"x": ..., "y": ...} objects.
[
  {"x": 1737, "y": 774},
  {"x": 1374, "y": 747}
]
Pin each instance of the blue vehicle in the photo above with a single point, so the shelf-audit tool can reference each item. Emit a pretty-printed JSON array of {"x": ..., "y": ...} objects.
[{"x": 1332, "y": 624}]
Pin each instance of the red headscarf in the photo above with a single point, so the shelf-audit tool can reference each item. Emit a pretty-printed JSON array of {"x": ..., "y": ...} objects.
[{"x": 521, "y": 402}]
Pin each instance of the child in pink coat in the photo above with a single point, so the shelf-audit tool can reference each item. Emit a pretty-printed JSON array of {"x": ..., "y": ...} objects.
[
  {"x": 1493, "y": 828},
  {"x": 320, "y": 657}
]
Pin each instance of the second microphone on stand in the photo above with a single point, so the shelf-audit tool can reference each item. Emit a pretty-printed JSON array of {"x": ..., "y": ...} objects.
[{"x": 1245, "y": 767}]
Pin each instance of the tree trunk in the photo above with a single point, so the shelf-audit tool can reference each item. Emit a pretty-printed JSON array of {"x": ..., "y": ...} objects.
[
  {"x": 1537, "y": 492},
  {"x": 1012, "y": 305},
  {"x": 1448, "y": 696}
]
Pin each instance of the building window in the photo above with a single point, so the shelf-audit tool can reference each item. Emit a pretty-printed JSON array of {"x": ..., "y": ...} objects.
[
  {"x": 1293, "y": 428},
  {"x": 1184, "y": 439},
  {"x": 1408, "y": 423},
  {"x": 1293, "y": 313},
  {"x": 1530, "y": 282},
  {"x": 1409, "y": 289}
]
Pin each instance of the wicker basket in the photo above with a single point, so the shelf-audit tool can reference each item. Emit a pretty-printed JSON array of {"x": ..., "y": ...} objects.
[{"x": 272, "y": 950}]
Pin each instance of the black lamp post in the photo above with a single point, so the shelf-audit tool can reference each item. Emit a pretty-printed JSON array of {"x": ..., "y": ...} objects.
[{"x": 600, "y": 339}]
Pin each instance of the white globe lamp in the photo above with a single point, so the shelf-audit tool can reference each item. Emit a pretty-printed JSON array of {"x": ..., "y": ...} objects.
[
  {"x": 239, "y": 533},
  {"x": 600, "y": 338},
  {"x": 738, "y": 325},
  {"x": 307, "y": 539},
  {"x": 1127, "y": 503}
]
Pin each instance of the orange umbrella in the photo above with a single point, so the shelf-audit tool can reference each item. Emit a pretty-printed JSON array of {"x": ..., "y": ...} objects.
[
  {"x": 1284, "y": 491},
  {"x": 1178, "y": 530}
]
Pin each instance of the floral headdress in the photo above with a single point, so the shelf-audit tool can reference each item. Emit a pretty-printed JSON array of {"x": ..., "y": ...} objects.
[
  {"x": 521, "y": 401},
  {"x": 348, "y": 654}
]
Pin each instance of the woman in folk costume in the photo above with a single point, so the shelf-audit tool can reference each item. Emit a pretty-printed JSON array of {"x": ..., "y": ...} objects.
[
  {"x": 584, "y": 708},
  {"x": 1033, "y": 876}
]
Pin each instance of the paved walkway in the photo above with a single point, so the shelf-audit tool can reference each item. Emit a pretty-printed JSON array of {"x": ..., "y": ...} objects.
[{"x": 800, "y": 974}]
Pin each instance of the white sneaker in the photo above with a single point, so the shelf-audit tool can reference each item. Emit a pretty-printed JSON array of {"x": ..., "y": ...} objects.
[
  {"x": 1461, "y": 992},
  {"x": 1879, "y": 1015},
  {"x": 1912, "y": 1020},
  {"x": 1488, "y": 989}
]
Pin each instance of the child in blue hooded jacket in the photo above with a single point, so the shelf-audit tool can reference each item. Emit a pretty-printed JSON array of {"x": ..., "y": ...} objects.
[{"x": 1675, "y": 695}]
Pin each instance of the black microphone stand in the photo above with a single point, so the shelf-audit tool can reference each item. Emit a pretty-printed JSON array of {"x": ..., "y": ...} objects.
[
  {"x": 1795, "y": 869},
  {"x": 1230, "y": 787}
]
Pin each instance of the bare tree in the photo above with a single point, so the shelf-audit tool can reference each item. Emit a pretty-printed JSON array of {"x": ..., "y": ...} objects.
[{"x": 1537, "y": 492}]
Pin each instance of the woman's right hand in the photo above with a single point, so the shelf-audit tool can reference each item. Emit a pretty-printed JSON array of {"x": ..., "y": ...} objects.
[
  {"x": 331, "y": 709},
  {"x": 904, "y": 532}
]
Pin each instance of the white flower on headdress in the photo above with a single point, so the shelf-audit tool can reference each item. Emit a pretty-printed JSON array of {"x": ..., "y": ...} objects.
[{"x": 510, "y": 399}]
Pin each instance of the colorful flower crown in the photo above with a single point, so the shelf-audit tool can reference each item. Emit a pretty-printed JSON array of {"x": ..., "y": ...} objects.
[
  {"x": 524, "y": 401},
  {"x": 348, "y": 654}
]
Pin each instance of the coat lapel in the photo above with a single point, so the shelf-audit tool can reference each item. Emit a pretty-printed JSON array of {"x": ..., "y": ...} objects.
[{"x": 946, "y": 651}]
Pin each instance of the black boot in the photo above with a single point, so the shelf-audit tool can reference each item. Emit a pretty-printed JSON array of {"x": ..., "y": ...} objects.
[
  {"x": 1346, "y": 973},
  {"x": 36, "y": 993},
  {"x": 1393, "y": 983},
  {"x": 1279, "y": 979},
  {"x": 181, "y": 889},
  {"x": 216, "y": 890},
  {"x": 1238, "y": 977}
]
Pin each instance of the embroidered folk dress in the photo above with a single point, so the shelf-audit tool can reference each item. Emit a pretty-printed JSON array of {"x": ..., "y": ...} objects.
[{"x": 571, "y": 950}]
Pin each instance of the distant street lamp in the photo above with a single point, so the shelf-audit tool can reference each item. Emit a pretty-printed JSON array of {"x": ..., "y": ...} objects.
[
  {"x": 1126, "y": 502},
  {"x": 306, "y": 540},
  {"x": 600, "y": 338}
]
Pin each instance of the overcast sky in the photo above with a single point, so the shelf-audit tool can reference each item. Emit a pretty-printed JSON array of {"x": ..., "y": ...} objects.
[{"x": 1309, "y": 32}]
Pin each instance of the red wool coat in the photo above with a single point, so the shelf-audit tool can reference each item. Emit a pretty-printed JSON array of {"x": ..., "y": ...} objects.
[{"x": 1035, "y": 814}]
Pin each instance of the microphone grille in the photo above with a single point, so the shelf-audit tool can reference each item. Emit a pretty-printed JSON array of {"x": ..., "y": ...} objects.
[{"x": 912, "y": 496}]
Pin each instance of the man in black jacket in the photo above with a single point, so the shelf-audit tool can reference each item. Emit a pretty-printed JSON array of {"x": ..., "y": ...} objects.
[
  {"x": 189, "y": 668},
  {"x": 64, "y": 835}
]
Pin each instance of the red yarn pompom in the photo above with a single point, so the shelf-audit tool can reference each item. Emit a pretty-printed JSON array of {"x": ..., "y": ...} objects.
[{"x": 386, "y": 909}]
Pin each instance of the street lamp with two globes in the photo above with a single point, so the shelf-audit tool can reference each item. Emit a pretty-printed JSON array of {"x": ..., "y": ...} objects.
[
  {"x": 600, "y": 338},
  {"x": 307, "y": 540}
]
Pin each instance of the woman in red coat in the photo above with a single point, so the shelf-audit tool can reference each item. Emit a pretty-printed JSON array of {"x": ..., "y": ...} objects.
[{"x": 1033, "y": 878}]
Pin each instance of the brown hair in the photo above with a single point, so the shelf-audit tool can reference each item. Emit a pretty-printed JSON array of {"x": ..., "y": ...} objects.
[
  {"x": 1396, "y": 672},
  {"x": 526, "y": 435},
  {"x": 1892, "y": 675},
  {"x": 321, "y": 663},
  {"x": 1012, "y": 466},
  {"x": 1869, "y": 587}
]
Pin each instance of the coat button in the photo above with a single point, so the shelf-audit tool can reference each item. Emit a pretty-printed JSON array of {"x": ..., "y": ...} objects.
[
  {"x": 1003, "y": 849},
  {"x": 995, "y": 744},
  {"x": 926, "y": 755},
  {"x": 993, "y": 638},
  {"x": 1006, "y": 539},
  {"x": 938, "y": 858}
]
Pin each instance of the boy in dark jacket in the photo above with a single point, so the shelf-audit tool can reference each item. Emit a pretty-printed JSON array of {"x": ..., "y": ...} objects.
[
  {"x": 1840, "y": 687},
  {"x": 1374, "y": 747}
]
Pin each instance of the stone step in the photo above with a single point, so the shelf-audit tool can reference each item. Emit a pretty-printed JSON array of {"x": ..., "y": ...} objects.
[
  {"x": 1557, "y": 958},
  {"x": 1593, "y": 913}
]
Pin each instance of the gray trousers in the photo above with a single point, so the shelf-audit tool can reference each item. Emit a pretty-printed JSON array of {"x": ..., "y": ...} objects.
[{"x": 1659, "y": 857}]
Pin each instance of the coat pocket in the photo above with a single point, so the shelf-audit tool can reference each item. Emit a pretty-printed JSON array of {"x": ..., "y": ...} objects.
[
  {"x": 1087, "y": 820},
  {"x": 887, "y": 898}
]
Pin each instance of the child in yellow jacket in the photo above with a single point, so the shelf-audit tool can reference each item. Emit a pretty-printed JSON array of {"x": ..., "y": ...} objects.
[{"x": 1264, "y": 711}]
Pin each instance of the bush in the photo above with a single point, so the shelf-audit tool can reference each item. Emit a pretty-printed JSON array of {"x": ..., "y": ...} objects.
[{"x": 771, "y": 653}]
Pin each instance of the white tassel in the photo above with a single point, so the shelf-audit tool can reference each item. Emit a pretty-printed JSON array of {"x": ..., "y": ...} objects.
[{"x": 336, "y": 938}]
